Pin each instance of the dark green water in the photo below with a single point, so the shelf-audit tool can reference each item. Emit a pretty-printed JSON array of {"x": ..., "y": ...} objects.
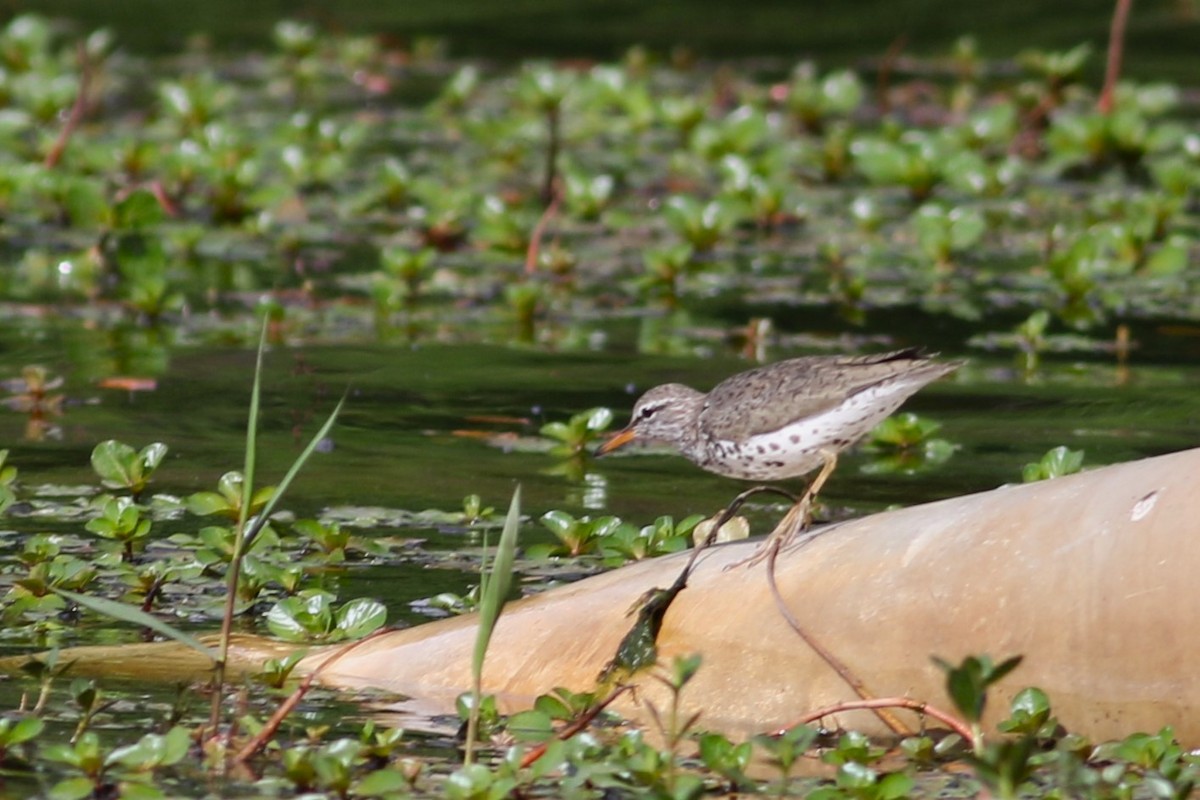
[
  {"x": 415, "y": 432},
  {"x": 1162, "y": 33}
]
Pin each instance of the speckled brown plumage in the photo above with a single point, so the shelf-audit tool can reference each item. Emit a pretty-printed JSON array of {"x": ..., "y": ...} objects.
[{"x": 784, "y": 419}]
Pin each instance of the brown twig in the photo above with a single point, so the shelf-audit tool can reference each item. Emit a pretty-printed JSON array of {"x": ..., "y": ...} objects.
[
  {"x": 1116, "y": 51},
  {"x": 539, "y": 230},
  {"x": 287, "y": 706},
  {"x": 876, "y": 704},
  {"x": 78, "y": 109},
  {"x": 843, "y": 671},
  {"x": 169, "y": 206},
  {"x": 727, "y": 514},
  {"x": 576, "y": 725}
]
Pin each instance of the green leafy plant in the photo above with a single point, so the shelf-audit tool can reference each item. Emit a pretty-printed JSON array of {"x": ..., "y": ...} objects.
[
  {"x": 675, "y": 727},
  {"x": 14, "y": 733},
  {"x": 701, "y": 224},
  {"x": 943, "y": 234},
  {"x": 545, "y": 90},
  {"x": 575, "y": 436},
  {"x": 121, "y": 467},
  {"x": 742, "y": 131},
  {"x": 331, "y": 540},
  {"x": 229, "y": 499},
  {"x": 730, "y": 761},
  {"x": 454, "y": 603},
  {"x": 412, "y": 268},
  {"x": 664, "y": 267},
  {"x": 576, "y": 536},
  {"x": 36, "y": 590},
  {"x": 857, "y": 775},
  {"x": 968, "y": 683},
  {"x": 8, "y": 478},
  {"x": 121, "y": 521},
  {"x": 525, "y": 299},
  {"x": 310, "y": 616},
  {"x": 587, "y": 195},
  {"x": 277, "y": 671},
  {"x": 915, "y": 161},
  {"x": 628, "y": 543},
  {"x": 814, "y": 99},
  {"x": 906, "y": 443},
  {"x": 1029, "y": 715},
  {"x": 785, "y": 749},
  {"x": 1057, "y": 462}
]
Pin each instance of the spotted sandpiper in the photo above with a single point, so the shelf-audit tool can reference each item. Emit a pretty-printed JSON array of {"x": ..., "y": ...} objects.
[{"x": 782, "y": 420}]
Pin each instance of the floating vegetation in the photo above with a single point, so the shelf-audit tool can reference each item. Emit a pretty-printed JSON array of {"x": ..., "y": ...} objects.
[{"x": 661, "y": 183}]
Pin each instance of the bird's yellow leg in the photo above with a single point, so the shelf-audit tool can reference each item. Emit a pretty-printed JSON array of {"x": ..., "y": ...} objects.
[
  {"x": 814, "y": 488},
  {"x": 798, "y": 516}
]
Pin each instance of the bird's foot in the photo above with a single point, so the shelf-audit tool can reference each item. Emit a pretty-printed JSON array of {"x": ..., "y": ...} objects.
[{"x": 795, "y": 521}]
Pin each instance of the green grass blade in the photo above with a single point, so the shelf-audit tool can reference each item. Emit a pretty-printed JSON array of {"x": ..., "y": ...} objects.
[
  {"x": 252, "y": 435},
  {"x": 495, "y": 593},
  {"x": 297, "y": 465},
  {"x": 233, "y": 577},
  {"x": 135, "y": 616}
]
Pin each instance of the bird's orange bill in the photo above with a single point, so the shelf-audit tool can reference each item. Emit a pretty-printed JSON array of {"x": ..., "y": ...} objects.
[{"x": 618, "y": 439}]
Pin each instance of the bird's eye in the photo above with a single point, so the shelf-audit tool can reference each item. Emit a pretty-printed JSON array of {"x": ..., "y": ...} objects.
[{"x": 647, "y": 412}]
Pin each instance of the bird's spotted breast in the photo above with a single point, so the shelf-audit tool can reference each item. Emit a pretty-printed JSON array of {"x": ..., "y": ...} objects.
[{"x": 798, "y": 448}]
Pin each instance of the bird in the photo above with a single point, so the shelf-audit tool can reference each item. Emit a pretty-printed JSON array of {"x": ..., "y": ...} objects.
[{"x": 781, "y": 420}]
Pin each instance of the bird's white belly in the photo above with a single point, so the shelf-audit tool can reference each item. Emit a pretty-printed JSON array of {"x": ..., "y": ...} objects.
[{"x": 799, "y": 448}]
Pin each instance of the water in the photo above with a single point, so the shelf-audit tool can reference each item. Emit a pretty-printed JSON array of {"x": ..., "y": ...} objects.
[
  {"x": 1161, "y": 37},
  {"x": 428, "y": 424}
]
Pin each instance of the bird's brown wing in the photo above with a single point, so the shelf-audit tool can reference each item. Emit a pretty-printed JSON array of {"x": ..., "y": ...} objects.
[{"x": 769, "y": 397}]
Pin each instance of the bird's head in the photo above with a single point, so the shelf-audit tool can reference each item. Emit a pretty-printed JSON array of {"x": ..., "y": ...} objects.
[{"x": 665, "y": 414}]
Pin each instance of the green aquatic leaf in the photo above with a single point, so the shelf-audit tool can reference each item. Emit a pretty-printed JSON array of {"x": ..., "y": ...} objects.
[{"x": 359, "y": 617}]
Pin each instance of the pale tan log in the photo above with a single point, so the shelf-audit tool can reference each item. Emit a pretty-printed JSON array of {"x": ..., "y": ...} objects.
[{"x": 1094, "y": 578}]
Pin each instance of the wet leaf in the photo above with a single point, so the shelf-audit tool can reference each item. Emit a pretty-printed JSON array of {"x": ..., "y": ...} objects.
[
  {"x": 381, "y": 783},
  {"x": 115, "y": 463},
  {"x": 359, "y": 617}
]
